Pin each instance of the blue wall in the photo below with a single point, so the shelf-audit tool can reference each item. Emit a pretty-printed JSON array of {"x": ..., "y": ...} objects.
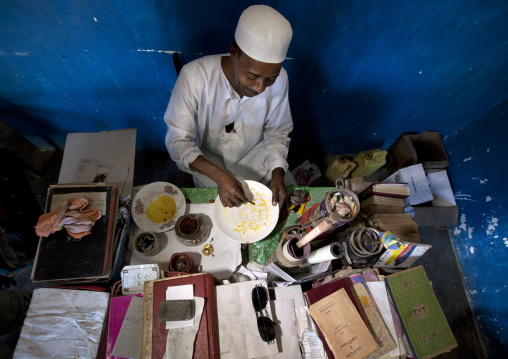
[
  {"x": 479, "y": 172},
  {"x": 361, "y": 73}
]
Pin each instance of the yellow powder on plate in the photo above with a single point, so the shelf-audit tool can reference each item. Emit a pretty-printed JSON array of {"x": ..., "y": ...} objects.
[{"x": 161, "y": 209}]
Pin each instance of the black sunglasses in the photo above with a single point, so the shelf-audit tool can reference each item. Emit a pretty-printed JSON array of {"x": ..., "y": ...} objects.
[{"x": 266, "y": 326}]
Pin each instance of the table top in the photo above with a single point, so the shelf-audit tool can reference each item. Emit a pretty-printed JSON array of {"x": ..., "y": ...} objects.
[{"x": 259, "y": 252}]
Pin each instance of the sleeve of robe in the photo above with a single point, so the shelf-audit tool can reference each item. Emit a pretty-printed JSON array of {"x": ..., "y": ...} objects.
[{"x": 277, "y": 129}]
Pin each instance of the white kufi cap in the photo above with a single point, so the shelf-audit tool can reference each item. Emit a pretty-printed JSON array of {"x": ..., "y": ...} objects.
[{"x": 263, "y": 34}]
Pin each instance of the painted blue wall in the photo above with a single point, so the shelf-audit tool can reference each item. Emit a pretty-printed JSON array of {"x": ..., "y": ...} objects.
[
  {"x": 361, "y": 73},
  {"x": 478, "y": 173}
]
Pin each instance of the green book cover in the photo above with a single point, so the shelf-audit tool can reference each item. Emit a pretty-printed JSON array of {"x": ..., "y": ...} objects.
[{"x": 424, "y": 323}]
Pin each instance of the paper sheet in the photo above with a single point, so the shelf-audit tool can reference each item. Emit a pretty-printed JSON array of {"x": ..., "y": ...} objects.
[
  {"x": 63, "y": 321},
  {"x": 93, "y": 171},
  {"x": 286, "y": 330},
  {"x": 112, "y": 150},
  {"x": 176, "y": 293},
  {"x": 293, "y": 292},
  {"x": 441, "y": 189},
  {"x": 237, "y": 322},
  {"x": 180, "y": 342},
  {"x": 128, "y": 343},
  {"x": 378, "y": 291}
]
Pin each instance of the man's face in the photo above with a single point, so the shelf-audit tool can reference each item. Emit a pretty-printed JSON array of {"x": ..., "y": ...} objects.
[{"x": 253, "y": 77}]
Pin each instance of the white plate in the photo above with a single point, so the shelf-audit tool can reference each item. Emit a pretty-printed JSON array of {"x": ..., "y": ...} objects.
[
  {"x": 248, "y": 223},
  {"x": 146, "y": 195}
]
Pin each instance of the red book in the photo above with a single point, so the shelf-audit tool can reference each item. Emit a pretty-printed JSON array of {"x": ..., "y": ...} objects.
[
  {"x": 316, "y": 294},
  {"x": 155, "y": 332}
]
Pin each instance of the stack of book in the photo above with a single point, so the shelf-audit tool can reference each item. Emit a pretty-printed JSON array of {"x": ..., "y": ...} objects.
[
  {"x": 384, "y": 204},
  {"x": 402, "y": 225},
  {"x": 383, "y": 198},
  {"x": 380, "y": 317},
  {"x": 63, "y": 259}
]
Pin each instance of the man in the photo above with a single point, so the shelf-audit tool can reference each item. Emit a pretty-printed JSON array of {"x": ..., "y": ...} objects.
[{"x": 229, "y": 118}]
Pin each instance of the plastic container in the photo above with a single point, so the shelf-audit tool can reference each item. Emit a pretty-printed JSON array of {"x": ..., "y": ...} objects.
[
  {"x": 340, "y": 168},
  {"x": 369, "y": 162}
]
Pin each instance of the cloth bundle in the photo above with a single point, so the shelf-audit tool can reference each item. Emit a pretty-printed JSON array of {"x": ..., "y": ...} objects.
[{"x": 72, "y": 215}]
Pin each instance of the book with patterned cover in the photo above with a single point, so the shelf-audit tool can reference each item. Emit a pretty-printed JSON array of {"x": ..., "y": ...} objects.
[{"x": 422, "y": 317}]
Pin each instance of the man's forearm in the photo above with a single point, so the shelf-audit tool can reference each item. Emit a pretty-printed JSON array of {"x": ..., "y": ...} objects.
[{"x": 207, "y": 168}]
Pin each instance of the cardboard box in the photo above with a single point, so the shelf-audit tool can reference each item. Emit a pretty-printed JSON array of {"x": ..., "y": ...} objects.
[
  {"x": 443, "y": 210},
  {"x": 411, "y": 149},
  {"x": 428, "y": 215}
]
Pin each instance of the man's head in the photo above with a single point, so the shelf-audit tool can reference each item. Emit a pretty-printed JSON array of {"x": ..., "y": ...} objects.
[{"x": 262, "y": 39}]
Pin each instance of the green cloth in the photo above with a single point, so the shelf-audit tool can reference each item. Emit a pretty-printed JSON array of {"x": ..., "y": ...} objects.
[{"x": 259, "y": 252}]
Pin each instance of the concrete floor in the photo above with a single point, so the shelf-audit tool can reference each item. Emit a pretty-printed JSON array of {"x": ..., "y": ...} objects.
[{"x": 440, "y": 262}]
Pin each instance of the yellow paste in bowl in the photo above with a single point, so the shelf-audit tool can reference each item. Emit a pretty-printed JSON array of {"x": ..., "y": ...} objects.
[{"x": 161, "y": 209}]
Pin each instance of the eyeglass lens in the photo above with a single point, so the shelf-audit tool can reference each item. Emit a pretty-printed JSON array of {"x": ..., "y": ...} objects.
[{"x": 266, "y": 326}]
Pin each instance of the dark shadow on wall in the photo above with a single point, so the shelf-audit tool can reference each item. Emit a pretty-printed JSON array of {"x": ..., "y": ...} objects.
[
  {"x": 328, "y": 119},
  {"x": 23, "y": 121}
]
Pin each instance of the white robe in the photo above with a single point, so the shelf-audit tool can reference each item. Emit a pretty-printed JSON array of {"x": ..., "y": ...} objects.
[{"x": 203, "y": 102}]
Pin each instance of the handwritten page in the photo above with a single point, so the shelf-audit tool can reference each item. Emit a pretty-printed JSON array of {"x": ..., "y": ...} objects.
[
  {"x": 128, "y": 343},
  {"x": 64, "y": 321},
  {"x": 180, "y": 341},
  {"x": 342, "y": 326},
  {"x": 238, "y": 331},
  {"x": 176, "y": 293}
]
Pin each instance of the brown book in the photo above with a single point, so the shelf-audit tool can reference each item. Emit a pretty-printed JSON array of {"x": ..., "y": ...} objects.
[
  {"x": 340, "y": 322},
  {"x": 379, "y": 208},
  {"x": 396, "y": 190},
  {"x": 382, "y": 200},
  {"x": 316, "y": 294},
  {"x": 396, "y": 223}
]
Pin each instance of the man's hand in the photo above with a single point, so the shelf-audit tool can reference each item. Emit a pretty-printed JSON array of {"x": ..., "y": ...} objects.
[
  {"x": 278, "y": 187},
  {"x": 231, "y": 192}
]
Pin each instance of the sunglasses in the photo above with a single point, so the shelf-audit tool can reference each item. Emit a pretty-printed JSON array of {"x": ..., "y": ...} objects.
[{"x": 266, "y": 326}]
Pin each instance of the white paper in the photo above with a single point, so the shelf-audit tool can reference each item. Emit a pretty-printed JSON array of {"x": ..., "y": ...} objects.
[
  {"x": 251, "y": 274},
  {"x": 275, "y": 270},
  {"x": 237, "y": 322},
  {"x": 180, "y": 342},
  {"x": 63, "y": 321},
  {"x": 134, "y": 277},
  {"x": 417, "y": 182},
  {"x": 293, "y": 292},
  {"x": 378, "y": 292},
  {"x": 222, "y": 264},
  {"x": 286, "y": 330},
  {"x": 90, "y": 170},
  {"x": 128, "y": 343},
  {"x": 107, "y": 147},
  {"x": 176, "y": 293},
  {"x": 441, "y": 189},
  {"x": 312, "y": 346}
]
